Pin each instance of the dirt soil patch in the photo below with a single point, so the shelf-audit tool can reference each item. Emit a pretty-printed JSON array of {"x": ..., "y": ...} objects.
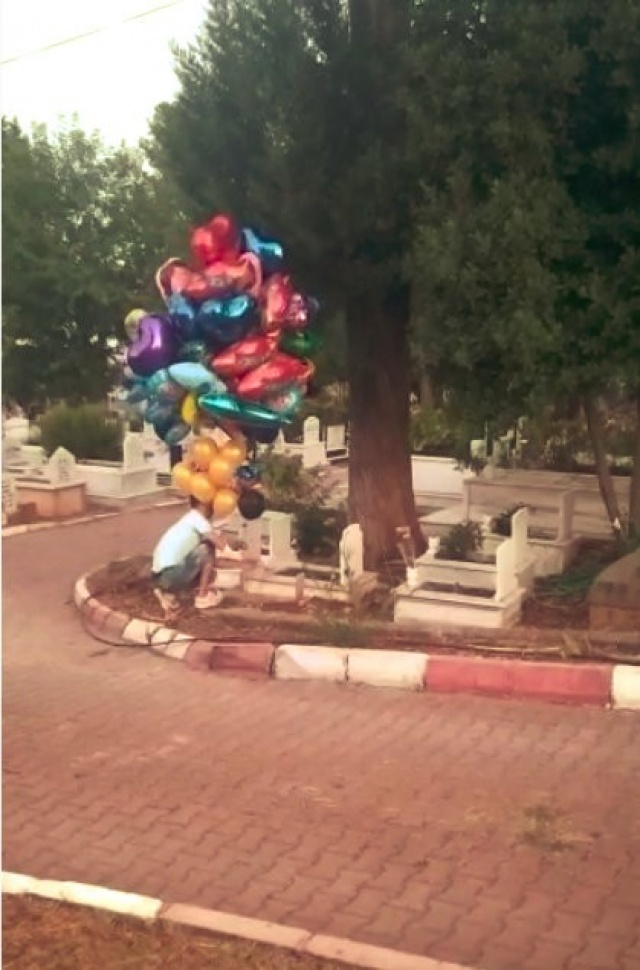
[
  {"x": 554, "y": 624},
  {"x": 39, "y": 933}
]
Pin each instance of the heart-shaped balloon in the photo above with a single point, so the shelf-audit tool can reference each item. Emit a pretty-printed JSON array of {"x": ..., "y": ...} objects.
[
  {"x": 227, "y": 321},
  {"x": 269, "y": 251},
  {"x": 276, "y": 374},
  {"x": 243, "y": 356},
  {"x": 154, "y": 347},
  {"x": 218, "y": 240},
  {"x": 276, "y": 295}
]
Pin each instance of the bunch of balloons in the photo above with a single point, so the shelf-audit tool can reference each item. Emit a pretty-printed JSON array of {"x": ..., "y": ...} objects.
[{"x": 232, "y": 351}]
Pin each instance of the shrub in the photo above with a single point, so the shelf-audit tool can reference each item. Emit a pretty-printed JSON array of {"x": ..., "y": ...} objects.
[
  {"x": 461, "y": 542},
  {"x": 87, "y": 431},
  {"x": 318, "y": 529},
  {"x": 501, "y": 524}
]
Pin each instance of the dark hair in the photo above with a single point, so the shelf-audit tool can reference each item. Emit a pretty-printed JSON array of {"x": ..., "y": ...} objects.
[{"x": 197, "y": 504}]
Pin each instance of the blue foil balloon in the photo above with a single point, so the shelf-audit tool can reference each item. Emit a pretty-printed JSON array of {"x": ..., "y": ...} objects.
[
  {"x": 139, "y": 392},
  {"x": 269, "y": 251},
  {"x": 248, "y": 474},
  {"x": 226, "y": 321},
  {"x": 159, "y": 411},
  {"x": 183, "y": 316},
  {"x": 196, "y": 377},
  {"x": 194, "y": 350},
  {"x": 176, "y": 433}
]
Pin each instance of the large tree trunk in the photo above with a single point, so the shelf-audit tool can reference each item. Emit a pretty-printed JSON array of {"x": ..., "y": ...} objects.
[
  {"x": 380, "y": 489},
  {"x": 605, "y": 478},
  {"x": 634, "y": 487}
]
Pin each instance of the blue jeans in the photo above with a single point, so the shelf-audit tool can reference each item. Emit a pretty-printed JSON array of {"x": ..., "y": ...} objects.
[{"x": 183, "y": 574}]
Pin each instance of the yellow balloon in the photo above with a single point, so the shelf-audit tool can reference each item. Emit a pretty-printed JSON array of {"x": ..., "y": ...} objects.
[
  {"x": 224, "y": 502},
  {"x": 220, "y": 471},
  {"x": 201, "y": 487},
  {"x": 181, "y": 476},
  {"x": 234, "y": 451},
  {"x": 189, "y": 409},
  {"x": 203, "y": 451},
  {"x": 131, "y": 322}
]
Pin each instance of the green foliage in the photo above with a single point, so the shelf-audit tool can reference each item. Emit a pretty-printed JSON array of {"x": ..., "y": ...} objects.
[
  {"x": 87, "y": 431},
  {"x": 461, "y": 542},
  {"x": 501, "y": 524},
  {"x": 526, "y": 261},
  {"x": 84, "y": 229},
  {"x": 318, "y": 530},
  {"x": 433, "y": 432}
]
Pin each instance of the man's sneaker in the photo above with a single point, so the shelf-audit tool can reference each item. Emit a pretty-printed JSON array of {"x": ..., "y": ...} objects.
[
  {"x": 168, "y": 602},
  {"x": 208, "y": 600}
]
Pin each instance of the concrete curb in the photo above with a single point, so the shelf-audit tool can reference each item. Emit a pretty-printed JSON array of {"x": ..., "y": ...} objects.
[
  {"x": 595, "y": 684},
  {"x": 20, "y": 530},
  {"x": 225, "y": 924}
]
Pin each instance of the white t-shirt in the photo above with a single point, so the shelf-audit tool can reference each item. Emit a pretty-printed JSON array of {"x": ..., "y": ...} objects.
[{"x": 181, "y": 539}]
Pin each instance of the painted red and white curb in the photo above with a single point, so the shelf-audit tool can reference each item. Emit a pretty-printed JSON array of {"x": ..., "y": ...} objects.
[
  {"x": 597, "y": 684},
  {"x": 293, "y": 938}
]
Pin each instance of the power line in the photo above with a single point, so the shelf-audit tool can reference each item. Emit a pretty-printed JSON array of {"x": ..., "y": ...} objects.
[{"x": 90, "y": 33}]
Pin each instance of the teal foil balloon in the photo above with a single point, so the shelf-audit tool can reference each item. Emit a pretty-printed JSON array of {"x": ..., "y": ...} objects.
[
  {"x": 228, "y": 320},
  {"x": 225, "y": 407}
]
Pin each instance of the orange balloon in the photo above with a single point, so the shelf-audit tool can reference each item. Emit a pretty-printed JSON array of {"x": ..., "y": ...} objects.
[
  {"x": 181, "y": 476},
  {"x": 235, "y": 452},
  {"x": 224, "y": 502},
  {"x": 220, "y": 471},
  {"x": 203, "y": 451},
  {"x": 201, "y": 487}
]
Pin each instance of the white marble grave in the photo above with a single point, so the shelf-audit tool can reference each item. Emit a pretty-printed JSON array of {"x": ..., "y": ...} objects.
[{"x": 351, "y": 552}]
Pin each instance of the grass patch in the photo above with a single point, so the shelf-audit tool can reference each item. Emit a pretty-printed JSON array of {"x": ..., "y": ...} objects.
[{"x": 39, "y": 933}]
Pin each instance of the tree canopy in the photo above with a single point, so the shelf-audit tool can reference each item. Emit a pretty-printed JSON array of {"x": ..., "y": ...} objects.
[{"x": 84, "y": 229}]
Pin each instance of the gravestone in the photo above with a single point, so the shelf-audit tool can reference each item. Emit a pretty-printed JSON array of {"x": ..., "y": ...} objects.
[
  {"x": 133, "y": 452},
  {"x": 336, "y": 439},
  {"x": 311, "y": 431},
  {"x": 9, "y": 499},
  {"x": 351, "y": 554},
  {"x": 61, "y": 468}
]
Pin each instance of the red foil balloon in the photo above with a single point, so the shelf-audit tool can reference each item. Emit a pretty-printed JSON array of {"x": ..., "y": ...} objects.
[
  {"x": 275, "y": 374},
  {"x": 277, "y": 295},
  {"x": 225, "y": 231},
  {"x": 217, "y": 241},
  {"x": 243, "y": 356}
]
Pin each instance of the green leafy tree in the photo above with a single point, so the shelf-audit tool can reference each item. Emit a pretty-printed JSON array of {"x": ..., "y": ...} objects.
[
  {"x": 527, "y": 261},
  {"x": 84, "y": 230},
  {"x": 289, "y": 115}
]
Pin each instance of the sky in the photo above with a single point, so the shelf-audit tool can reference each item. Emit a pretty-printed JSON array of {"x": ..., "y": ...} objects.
[{"x": 112, "y": 80}]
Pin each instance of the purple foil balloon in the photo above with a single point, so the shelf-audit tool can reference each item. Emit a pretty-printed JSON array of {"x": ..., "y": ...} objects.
[{"x": 155, "y": 346}]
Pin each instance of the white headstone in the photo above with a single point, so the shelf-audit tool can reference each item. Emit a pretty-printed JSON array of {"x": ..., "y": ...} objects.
[
  {"x": 351, "y": 554},
  {"x": 336, "y": 437},
  {"x": 133, "y": 451},
  {"x": 311, "y": 431},
  {"x": 9, "y": 498},
  {"x": 519, "y": 530},
  {"x": 279, "y": 536},
  {"x": 61, "y": 467}
]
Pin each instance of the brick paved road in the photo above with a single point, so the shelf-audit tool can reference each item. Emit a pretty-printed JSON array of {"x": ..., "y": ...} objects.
[{"x": 495, "y": 834}]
